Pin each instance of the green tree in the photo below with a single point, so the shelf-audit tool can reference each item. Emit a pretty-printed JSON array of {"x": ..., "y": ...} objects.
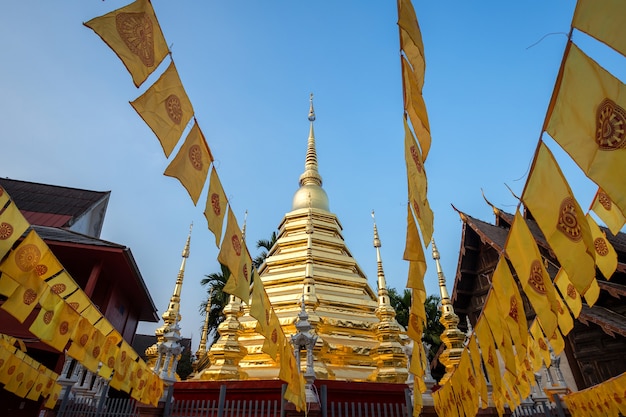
[
  {"x": 402, "y": 304},
  {"x": 266, "y": 244}
]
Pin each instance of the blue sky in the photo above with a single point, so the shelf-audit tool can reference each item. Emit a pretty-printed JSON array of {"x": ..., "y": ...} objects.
[{"x": 248, "y": 68}]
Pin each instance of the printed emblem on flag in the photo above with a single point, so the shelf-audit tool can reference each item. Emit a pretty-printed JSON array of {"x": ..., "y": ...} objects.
[
  {"x": 123, "y": 356},
  {"x": 535, "y": 280},
  {"x": 135, "y": 29},
  {"x": 416, "y": 207},
  {"x": 27, "y": 257},
  {"x": 245, "y": 272},
  {"x": 605, "y": 201},
  {"x": 416, "y": 158},
  {"x": 64, "y": 327},
  {"x": 29, "y": 296},
  {"x": 542, "y": 344},
  {"x": 267, "y": 317},
  {"x": 6, "y": 230},
  {"x": 215, "y": 204},
  {"x": 568, "y": 223},
  {"x": 19, "y": 377},
  {"x": 610, "y": 126},
  {"x": 83, "y": 340},
  {"x": 111, "y": 362},
  {"x": 11, "y": 370},
  {"x": 236, "y": 244},
  {"x": 601, "y": 247},
  {"x": 490, "y": 358},
  {"x": 74, "y": 305},
  {"x": 513, "y": 312},
  {"x": 41, "y": 270},
  {"x": 58, "y": 288},
  {"x": 195, "y": 157},
  {"x": 173, "y": 108},
  {"x": 274, "y": 336},
  {"x": 95, "y": 352},
  {"x": 47, "y": 317},
  {"x": 571, "y": 291},
  {"x": 39, "y": 387},
  {"x": 415, "y": 323},
  {"x": 49, "y": 384}
]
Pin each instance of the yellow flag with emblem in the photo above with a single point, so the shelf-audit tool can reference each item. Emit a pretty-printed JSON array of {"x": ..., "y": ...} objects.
[
  {"x": 165, "y": 108},
  {"x": 216, "y": 204},
  {"x": 12, "y": 224},
  {"x": 191, "y": 164},
  {"x": 605, "y": 255},
  {"x": 135, "y": 36},
  {"x": 608, "y": 212}
]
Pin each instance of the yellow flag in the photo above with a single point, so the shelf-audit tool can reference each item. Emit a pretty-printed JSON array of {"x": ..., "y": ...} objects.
[
  {"x": 557, "y": 342},
  {"x": 411, "y": 39},
  {"x": 53, "y": 397},
  {"x": 165, "y": 108},
  {"x": 423, "y": 214},
  {"x": 606, "y": 257},
  {"x": 616, "y": 389},
  {"x": 233, "y": 254},
  {"x": 7, "y": 285},
  {"x": 538, "y": 336},
  {"x": 523, "y": 253},
  {"x": 11, "y": 364},
  {"x": 551, "y": 202},
  {"x": 467, "y": 382},
  {"x": 414, "y": 252},
  {"x": 135, "y": 36},
  {"x": 79, "y": 301},
  {"x": 586, "y": 118},
  {"x": 603, "y": 21},
  {"x": 124, "y": 358},
  {"x": 608, "y": 212},
  {"x": 414, "y": 164},
  {"x": 93, "y": 350},
  {"x": 239, "y": 281},
  {"x": 191, "y": 163},
  {"x": 215, "y": 208},
  {"x": 568, "y": 293},
  {"x": 274, "y": 337},
  {"x": 12, "y": 225},
  {"x": 62, "y": 284},
  {"x": 28, "y": 382},
  {"x": 40, "y": 381},
  {"x": 31, "y": 257},
  {"x": 4, "y": 197},
  {"x": 19, "y": 376},
  {"x": 566, "y": 322},
  {"x": 415, "y": 108},
  {"x": 500, "y": 332},
  {"x": 488, "y": 352},
  {"x": 55, "y": 322},
  {"x": 481, "y": 382},
  {"x": 260, "y": 306},
  {"x": 510, "y": 303},
  {"x": 81, "y": 334},
  {"x": 25, "y": 297}
]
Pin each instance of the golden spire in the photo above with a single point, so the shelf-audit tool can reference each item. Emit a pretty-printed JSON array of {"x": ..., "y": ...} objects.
[
  {"x": 391, "y": 360},
  {"x": 172, "y": 314},
  {"x": 384, "y": 305},
  {"x": 310, "y": 180},
  {"x": 452, "y": 337}
]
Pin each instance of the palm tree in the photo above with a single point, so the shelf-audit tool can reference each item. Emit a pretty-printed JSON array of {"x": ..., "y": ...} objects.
[
  {"x": 266, "y": 245},
  {"x": 402, "y": 305},
  {"x": 216, "y": 299}
]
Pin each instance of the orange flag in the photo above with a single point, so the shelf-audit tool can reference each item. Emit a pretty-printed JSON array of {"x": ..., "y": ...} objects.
[
  {"x": 135, "y": 36},
  {"x": 608, "y": 212},
  {"x": 523, "y": 253},
  {"x": 602, "y": 20},
  {"x": 12, "y": 225},
  {"x": 551, "y": 202},
  {"x": 191, "y": 163},
  {"x": 215, "y": 208},
  {"x": 586, "y": 117},
  {"x": 165, "y": 108},
  {"x": 605, "y": 255}
]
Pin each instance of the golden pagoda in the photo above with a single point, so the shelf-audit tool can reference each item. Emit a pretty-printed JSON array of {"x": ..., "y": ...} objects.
[{"x": 311, "y": 266}]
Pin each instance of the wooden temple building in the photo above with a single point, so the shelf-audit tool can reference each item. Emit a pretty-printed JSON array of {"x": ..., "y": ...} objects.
[
  {"x": 70, "y": 220},
  {"x": 594, "y": 349}
]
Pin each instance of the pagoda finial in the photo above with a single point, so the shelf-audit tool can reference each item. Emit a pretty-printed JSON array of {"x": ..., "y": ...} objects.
[
  {"x": 383, "y": 294},
  {"x": 311, "y": 175},
  {"x": 452, "y": 337}
]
